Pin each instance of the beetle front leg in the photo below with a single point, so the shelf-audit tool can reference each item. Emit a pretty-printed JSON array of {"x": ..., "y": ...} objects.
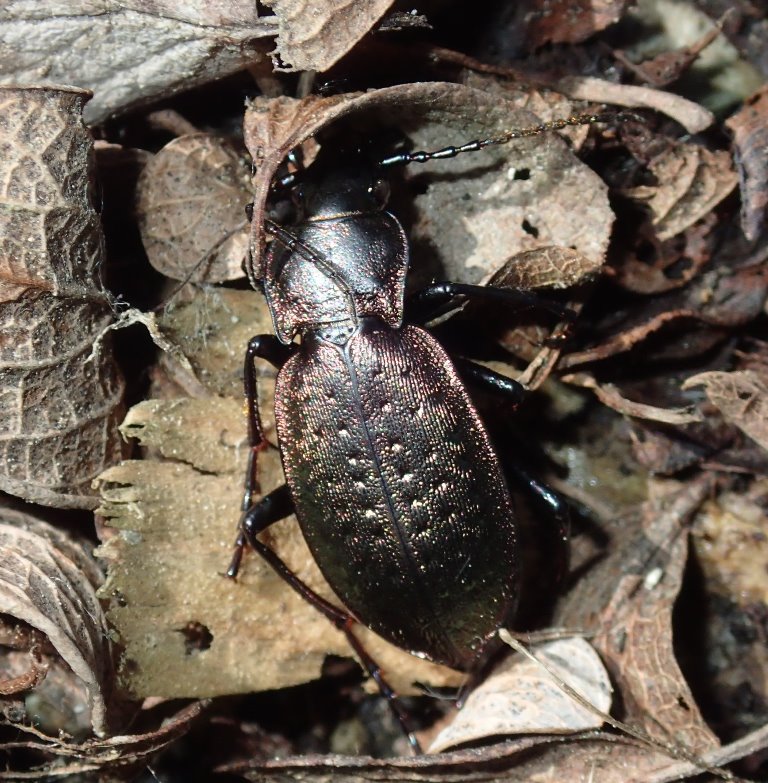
[{"x": 268, "y": 347}]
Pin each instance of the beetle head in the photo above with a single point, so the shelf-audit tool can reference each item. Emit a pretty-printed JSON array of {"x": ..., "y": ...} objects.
[{"x": 344, "y": 180}]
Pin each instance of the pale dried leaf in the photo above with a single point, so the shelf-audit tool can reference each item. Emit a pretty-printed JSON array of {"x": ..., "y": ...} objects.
[
  {"x": 691, "y": 116},
  {"x": 178, "y": 518},
  {"x": 129, "y": 53},
  {"x": 692, "y": 180},
  {"x": 742, "y": 398},
  {"x": 211, "y": 330},
  {"x": 191, "y": 208},
  {"x": 520, "y": 697},
  {"x": 49, "y": 581},
  {"x": 314, "y": 36},
  {"x": 59, "y": 406}
]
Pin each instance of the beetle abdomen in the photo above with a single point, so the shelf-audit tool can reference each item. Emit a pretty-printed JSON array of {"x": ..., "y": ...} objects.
[{"x": 398, "y": 491}]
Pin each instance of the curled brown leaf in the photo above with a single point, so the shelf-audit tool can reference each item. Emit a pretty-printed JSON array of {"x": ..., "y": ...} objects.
[
  {"x": 750, "y": 138},
  {"x": 49, "y": 581}
]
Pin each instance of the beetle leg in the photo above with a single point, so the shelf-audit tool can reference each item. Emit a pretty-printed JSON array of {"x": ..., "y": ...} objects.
[
  {"x": 342, "y": 620},
  {"x": 558, "y": 510},
  {"x": 262, "y": 346},
  {"x": 271, "y": 508},
  {"x": 430, "y": 301},
  {"x": 508, "y": 388}
]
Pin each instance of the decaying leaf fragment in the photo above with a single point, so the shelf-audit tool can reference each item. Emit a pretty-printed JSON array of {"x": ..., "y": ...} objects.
[
  {"x": 692, "y": 180},
  {"x": 750, "y": 137},
  {"x": 187, "y": 630},
  {"x": 59, "y": 407},
  {"x": 626, "y": 603},
  {"x": 313, "y": 36},
  {"x": 49, "y": 582},
  {"x": 742, "y": 398},
  {"x": 519, "y": 697},
  {"x": 125, "y": 754},
  {"x": 720, "y": 297},
  {"x": 732, "y": 550},
  {"x": 130, "y": 53},
  {"x": 191, "y": 209},
  {"x": 566, "y": 21}
]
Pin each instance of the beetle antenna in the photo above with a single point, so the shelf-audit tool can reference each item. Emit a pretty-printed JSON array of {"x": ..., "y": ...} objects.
[{"x": 404, "y": 158}]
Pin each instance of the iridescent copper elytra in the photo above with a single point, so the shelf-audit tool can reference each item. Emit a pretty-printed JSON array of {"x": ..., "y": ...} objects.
[{"x": 389, "y": 468}]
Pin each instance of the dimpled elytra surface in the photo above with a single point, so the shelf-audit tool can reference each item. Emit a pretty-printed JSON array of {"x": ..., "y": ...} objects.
[{"x": 397, "y": 489}]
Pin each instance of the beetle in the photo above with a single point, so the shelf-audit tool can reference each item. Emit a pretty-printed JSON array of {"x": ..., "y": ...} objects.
[{"x": 390, "y": 470}]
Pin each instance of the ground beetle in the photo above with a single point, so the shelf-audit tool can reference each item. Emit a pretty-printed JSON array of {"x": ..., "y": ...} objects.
[{"x": 397, "y": 489}]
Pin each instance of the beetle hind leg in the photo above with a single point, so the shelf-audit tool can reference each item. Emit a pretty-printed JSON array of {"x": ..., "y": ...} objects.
[{"x": 342, "y": 620}]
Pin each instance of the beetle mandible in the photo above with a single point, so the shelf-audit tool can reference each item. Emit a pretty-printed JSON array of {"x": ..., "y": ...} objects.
[{"x": 389, "y": 468}]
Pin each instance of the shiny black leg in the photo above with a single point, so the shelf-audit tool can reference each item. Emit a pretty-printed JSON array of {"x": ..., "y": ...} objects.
[
  {"x": 556, "y": 512},
  {"x": 494, "y": 382},
  {"x": 432, "y": 300},
  {"x": 271, "y": 508},
  {"x": 253, "y": 524},
  {"x": 268, "y": 347}
]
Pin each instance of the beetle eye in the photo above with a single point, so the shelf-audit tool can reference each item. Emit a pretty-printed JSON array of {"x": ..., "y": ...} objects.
[{"x": 380, "y": 191}]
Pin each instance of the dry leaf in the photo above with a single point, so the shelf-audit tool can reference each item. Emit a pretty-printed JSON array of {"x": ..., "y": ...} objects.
[
  {"x": 169, "y": 601},
  {"x": 48, "y": 581},
  {"x": 626, "y": 603},
  {"x": 191, "y": 204},
  {"x": 750, "y": 139},
  {"x": 60, "y": 404},
  {"x": 691, "y": 116},
  {"x": 741, "y": 397},
  {"x": 672, "y": 264},
  {"x": 124, "y": 754},
  {"x": 732, "y": 550},
  {"x": 566, "y": 21},
  {"x": 720, "y": 297},
  {"x": 545, "y": 267},
  {"x": 543, "y": 760},
  {"x": 610, "y": 395},
  {"x": 667, "y": 67},
  {"x": 521, "y": 195},
  {"x": 692, "y": 180},
  {"x": 313, "y": 36},
  {"x": 129, "y": 54},
  {"x": 520, "y": 697}
]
